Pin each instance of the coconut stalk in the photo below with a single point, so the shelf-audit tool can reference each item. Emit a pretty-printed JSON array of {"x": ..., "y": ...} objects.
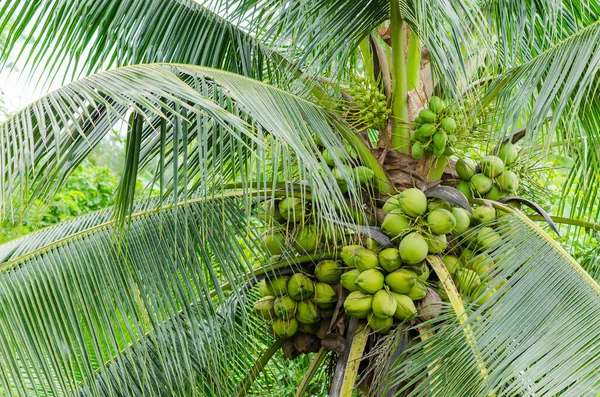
[
  {"x": 400, "y": 130},
  {"x": 414, "y": 61},
  {"x": 258, "y": 367},
  {"x": 312, "y": 370}
]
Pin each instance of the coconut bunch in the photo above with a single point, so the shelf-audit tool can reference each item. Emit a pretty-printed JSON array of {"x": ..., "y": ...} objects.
[
  {"x": 363, "y": 174},
  {"x": 372, "y": 104},
  {"x": 491, "y": 178},
  {"x": 434, "y": 130}
]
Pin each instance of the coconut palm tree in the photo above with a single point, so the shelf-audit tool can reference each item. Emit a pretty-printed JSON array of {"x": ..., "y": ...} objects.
[{"x": 230, "y": 103}]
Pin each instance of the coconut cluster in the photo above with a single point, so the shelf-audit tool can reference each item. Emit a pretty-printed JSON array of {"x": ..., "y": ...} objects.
[
  {"x": 372, "y": 104},
  {"x": 434, "y": 130},
  {"x": 491, "y": 178},
  {"x": 361, "y": 173}
]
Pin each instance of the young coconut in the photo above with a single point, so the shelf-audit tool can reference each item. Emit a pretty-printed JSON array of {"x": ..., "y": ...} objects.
[
  {"x": 293, "y": 209},
  {"x": 401, "y": 280},
  {"x": 306, "y": 312},
  {"x": 436, "y": 104},
  {"x": 509, "y": 181},
  {"x": 380, "y": 325},
  {"x": 463, "y": 220},
  {"x": 405, "y": 308},
  {"x": 365, "y": 259},
  {"x": 328, "y": 271},
  {"x": 383, "y": 305},
  {"x": 441, "y": 221},
  {"x": 275, "y": 243},
  {"x": 285, "y": 307},
  {"x": 358, "y": 304},
  {"x": 348, "y": 253},
  {"x": 264, "y": 288},
  {"x": 265, "y": 308},
  {"x": 413, "y": 248},
  {"x": 508, "y": 153},
  {"x": 269, "y": 212},
  {"x": 391, "y": 204},
  {"x": 395, "y": 223},
  {"x": 465, "y": 188},
  {"x": 370, "y": 281},
  {"x": 308, "y": 328},
  {"x": 484, "y": 214},
  {"x": 465, "y": 168},
  {"x": 285, "y": 328},
  {"x": 306, "y": 239},
  {"x": 481, "y": 184},
  {"x": 278, "y": 285},
  {"x": 452, "y": 263},
  {"x": 422, "y": 272},
  {"x": 467, "y": 280},
  {"x": 348, "y": 280},
  {"x": 436, "y": 244},
  {"x": 363, "y": 174},
  {"x": 324, "y": 296},
  {"x": 488, "y": 238},
  {"x": 495, "y": 193},
  {"x": 300, "y": 287},
  {"x": 413, "y": 202},
  {"x": 448, "y": 124},
  {"x": 389, "y": 259},
  {"x": 427, "y": 116},
  {"x": 418, "y": 291},
  {"x": 492, "y": 166}
]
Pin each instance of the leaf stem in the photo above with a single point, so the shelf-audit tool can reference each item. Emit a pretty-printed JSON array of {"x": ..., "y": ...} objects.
[
  {"x": 414, "y": 61},
  {"x": 312, "y": 370},
  {"x": 568, "y": 221},
  {"x": 400, "y": 130},
  {"x": 438, "y": 170},
  {"x": 258, "y": 366}
]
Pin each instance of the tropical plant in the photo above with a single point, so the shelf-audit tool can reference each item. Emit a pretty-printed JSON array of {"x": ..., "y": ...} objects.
[{"x": 229, "y": 105}]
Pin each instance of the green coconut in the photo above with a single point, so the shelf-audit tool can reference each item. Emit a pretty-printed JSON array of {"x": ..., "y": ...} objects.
[
  {"x": 413, "y": 202},
  {"x": 465, "y": 188},
  {"x": 372, "y": 245},
  {"x": 424, "y": 133},
  {"x": 300, "y": 287},
  {"x": 358, "y": 304},
  {"x": 324, "y": 296},
  {"x": 285, "y": 328},
  {"x": 441, "y": 221},
  {"x": 369, "y": 281},
  {"x": 440, "y": 139},
  {"x": 308, "y": 328},
  {"x": 508, "y": 153},
  {"x": 481, "y": 184},
  {"x": 293, "y": 209},
  {"x": 348, "y": 280},
  {"x": 467, "y": 280},
  {"x": 436, "y": 203},
  {"x": 463, "y": 220},
  {"x": 389, "y": 259},
  {"x": 365, "y": 259},
  {"x": 436, "y": 104},
  {"x": 395, "y": 223},
  {"x": 483, "y": 294},
  {"x": 423, "y": 272},
  {"x": 509, "y": 182},
  {"x": 465, "y": 168},
  {"x": 492, "y": 166},
  {"x": 466, "y": 256},
  {"x": 265, "y": 308},
  {"x": 413, "y": 248},
  {"x": 285, "y": 307},
  {"x": 306, "y": 239},
  {"x": 448, "y": 124},
  {"x": 488, "y": 238},
  {"x": 439, "y": 151},
  {"x": 328, "y": 158},
  {"x": 269, "y": 212},
  {"x": 278, "y": 285},
  {"x": 274, "y": 242},
  {"x": 418, "y": 291},
  {"x": 363, "y": 174},
  {"x": 427, "y": 116},
  {"x": 391, "y": 204},
  {"x": 482, "y": 265},
  {"x": 436, "y": 244},
  {"x": 328, "y": 271},
  {"x": 380, "y": 325},
  {"x": 452, "y": 263},
  {"x": 348, "y": 253},
  {"x": 264, "y": 289},
  {"x": 306, "y": 312},
  {"x": 495, "y": 193},
  {"x": 417, "y": 150},
  {"x": 405, "y": 307},
  {"x": 484, "y": 214},
  {"x": 383, "y": 305},
  {"x": 401, "y": 280}
]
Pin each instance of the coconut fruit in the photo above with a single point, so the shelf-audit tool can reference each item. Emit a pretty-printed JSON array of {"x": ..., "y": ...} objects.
[
  {"x": 308, "y": 328},
  {"x": 348, "y": 252},
  {"x": 348, "y": 280},
  {"x": 439, "y": 288},
  {"x": 401, "y": 280},
  {"x": 328, "y": 271},
  {"x": 441, "y": 221},
  {"x": 275, "y": 243},
  {"x": 306, "y": 239},
  {"x": 508, "y": 153},
  {"x": 389, "y": 259},
  {"x": 495, "y": 193},
  {"x": 488, "y": 238},
  {"x": 422, "y": 272},
  {"x": 431, "y": 305},
  {"x": 372, "y": 245},
  {"x": 482, "y": 265},
  {"x": 440, "y": 139},
  {"x": 424, "y": 132},
  {"x": 436, "y": 104},
  {"x": 418, "y": 291},
  {"x": 293, "y": 209},
  {"x": 452, "y": 263},
  {"x": 481, "y": 184},
  {"x": 363, "y": 174},
  {"x": 324, "y": 296},
  {"x": 463, "y": 220},
  {"x": 285, "y": 328},
  {"x": 417, "y": 150},
  {"x": 436, "y": 244},
  {"x": 300, "y": 287},
  {"x": 427, "y": 116},
  {"x": 466, "y": 256},
  {"x": 278, "y": 285},
  {"x": 465, "y": 188},
  {"x": 509, "y": 181},
  {"x": 492, "y": 166},
  {"x": 365, "y": 259},
  {"x": 306, "y": 312},
  {"x": 358, "y": 304},
  {"x": 413, "y": 202},
  {"x": 391, "y": 204},
  {"x": 383, "y": 305},
  {"x": 448, "y": 124},
  {"x": 405, "y": 307},
  {"x": 380, "y": 325},
  {"x": 436, "y": 203},
  {"x": 484, "y": 214},
  {"x": 265, "y": 308},
  {"x": 483, "y": 294},
  {"x": 467, "y": 279},
  {"x": 264, "y": 289},
  {"x": 285, "y": 307},
  {"x": 395, "y": 223},
  {"x": 270, "y": 212},
  {"x": 465, "y": 168},
  {"x": 369, "y": 281},
  {"x": 413, "y": 248}
]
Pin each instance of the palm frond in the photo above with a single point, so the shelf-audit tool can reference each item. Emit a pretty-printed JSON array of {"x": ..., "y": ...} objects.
[{"x": 537, "y": 334}]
